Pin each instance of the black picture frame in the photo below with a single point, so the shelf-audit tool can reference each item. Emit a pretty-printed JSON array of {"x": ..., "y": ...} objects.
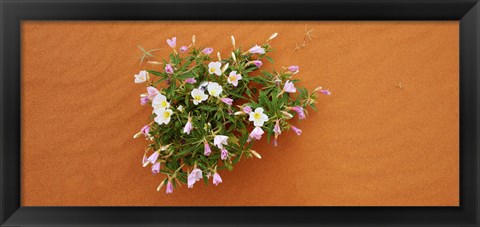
[{"x": 14, "y": 11}]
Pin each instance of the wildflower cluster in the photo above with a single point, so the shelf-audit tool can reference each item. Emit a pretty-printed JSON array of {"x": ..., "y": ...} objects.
[{"x": 208, "y": 111}]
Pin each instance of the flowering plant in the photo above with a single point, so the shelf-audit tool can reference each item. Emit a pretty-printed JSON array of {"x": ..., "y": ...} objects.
[{"x": 208, "y": 112}]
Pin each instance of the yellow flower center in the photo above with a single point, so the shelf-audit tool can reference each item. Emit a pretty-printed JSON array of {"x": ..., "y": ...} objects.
[
  {"x": 212, "y": 70},
  {"x": 233, "y": 78},
  {"x": 213, "y": 92},
  {"x": 256, "y": 116},
  {"x": 166, "y": 114},
  {"x": 197, "y": 97},
  {"x": 163, "y": 104}
]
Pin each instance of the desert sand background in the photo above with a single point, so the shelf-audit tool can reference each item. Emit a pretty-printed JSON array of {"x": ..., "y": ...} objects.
[{"x": 387, "y": 136}]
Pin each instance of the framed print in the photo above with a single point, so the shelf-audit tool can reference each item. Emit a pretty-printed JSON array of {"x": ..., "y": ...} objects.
[{"x": 239, "y": 113}]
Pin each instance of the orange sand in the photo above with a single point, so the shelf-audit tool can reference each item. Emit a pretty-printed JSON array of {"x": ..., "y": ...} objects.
[{"x": 371, "y": 143}]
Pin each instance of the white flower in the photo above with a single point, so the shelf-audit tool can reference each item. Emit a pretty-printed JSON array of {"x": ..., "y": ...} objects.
[
  {"x": 214, "y": 67},
  {"x": 233, "y": 78},
  {"x": 220, "y": 140},
  {"x": 203, "y": 85},
  {"x": 258, "y": 117},
  {"x": 180, "y": 108},
  {"x": 160, "y": 102},
  {"x": 214, "y": 89},
  {"x": 198, "y": 96},
  {"x": 163, "y": 116},
  {"x": 141, "y": 77}
]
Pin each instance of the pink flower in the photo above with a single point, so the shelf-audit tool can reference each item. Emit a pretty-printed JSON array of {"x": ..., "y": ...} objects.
[
  {"x": 297, "y": 130},
  {"x": 227, "y": 101},
  {"x": 183, "y": 49},
  {"x": 276, "y": 128},
  {"x": 294, "y": 69},
  {"x": 194, "y": 176},
  {"x": 190, "y": 80},
  {"x": 247, "y": 109},
  {"x": 216, "y": 179},
  {"x": 256, "y": 133},
  {"x": 206, "y": 151},
  {"x": 300, "y": 112},
  {"x": 224, "y": 154},
  {"x": 289, "y": 87},
  {"x": 144, "y": 100},
  {"x": 258, "y": 63},
  {"x": 169, "y": 188},
  {"x": 172, "y": 42},
  {"x": 152, "y": 92},
  {"x": 156, "y": 168},
  {"x": 325, "y": 92},
  {"x": 145, "y": 130},
  {"x": 169, "y": 69},
  {"x": 188, "y": 126},
  {"x": 207, "y": 50},
  {"x": 257, "y": 50},
  {"x": 153, "y": 158}
]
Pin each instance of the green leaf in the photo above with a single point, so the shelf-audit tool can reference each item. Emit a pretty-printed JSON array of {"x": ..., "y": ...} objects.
[
  {"x": 270, "y": 59},
  {"x": 155, "y": 73}
]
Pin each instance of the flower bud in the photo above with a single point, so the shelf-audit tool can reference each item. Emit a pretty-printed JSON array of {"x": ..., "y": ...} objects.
[
  {"x": 219, "y": 56},
  {"x": 317, "y": 89},
  {"x": 227, "y": 101},
  {"x": 154, "y": 62},
  {"x": 164, "y": 148},
  {"x": 287, "y": 114},
  {"x": 183, "y": 49},
  {"x": 169, "y": 187},
  {"x": 216, "y": 179},
  {"x": 323, "y": 91},
  {"x": 294, "y": 69},
  {"x": 193, "y": 40},
  {"x": 254, "y": 153},
  {"x": 207, "y": 50},
  {"x": 137, "y": 135},
  {"x": 276, "y": 128},
  {"x": 273, "y": 36},
  {"x": 233, "y": 57},
  {"x": 160, "y": 185},
  {"x": 278, "y": 81},
  {"x": 206, "y": 148},
  {"x": 300, "y": 112},
  {"x": 233, "y": 41},
  {"x": 156, "y": 168},
  {"x": 296, "y": 130},
  {"x": 247, "y": 109},
  {"x": 224, "y": 68},
  {"x": 258, "y": 63},
  {"x": 190, "y": 80}
]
